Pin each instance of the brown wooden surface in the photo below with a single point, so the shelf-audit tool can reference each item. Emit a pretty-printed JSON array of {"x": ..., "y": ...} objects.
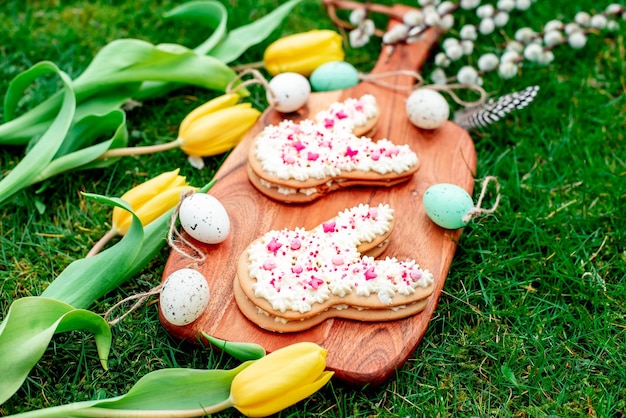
[{"x": 359, "y": 353}]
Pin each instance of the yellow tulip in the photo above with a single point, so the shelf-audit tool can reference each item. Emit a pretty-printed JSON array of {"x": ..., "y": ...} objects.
[
  {"x": 280, "y": 379},
  {"x": 210, "y": 129},
  {"x": 216, "y": 126},
  {"x": 303, "y": 52},
  {"x": 150, "y": 200}
]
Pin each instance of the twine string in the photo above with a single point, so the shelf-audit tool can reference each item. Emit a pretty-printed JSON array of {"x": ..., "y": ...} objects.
[
  {"x": 446, "y": 88},
  {"x": 478, "y": 210},
  {"x": 174, "y": 236},
  {"x": 142, "y": 297},
  {"x": 257, "y": 78},
  {"x": 374, "y": 79},
  {"x": 450, "y": 88}
]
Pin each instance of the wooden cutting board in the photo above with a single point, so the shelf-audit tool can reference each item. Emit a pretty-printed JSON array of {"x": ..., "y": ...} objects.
[{"x": 359, "y": 353}]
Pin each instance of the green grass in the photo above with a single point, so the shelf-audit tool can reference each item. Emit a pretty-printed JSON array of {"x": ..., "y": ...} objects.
[{"x": 531, "y": 322}]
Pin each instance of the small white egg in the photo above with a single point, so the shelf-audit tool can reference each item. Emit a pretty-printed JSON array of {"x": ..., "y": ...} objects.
[
  {"x": 427, "y": 108},
  {"x": 184, "y": 296},
  {"x": 204, "y": 218},
  {"x": 290, "y": 92}
]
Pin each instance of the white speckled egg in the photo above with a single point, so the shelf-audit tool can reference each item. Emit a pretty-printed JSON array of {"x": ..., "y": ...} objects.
[
  {"x": 184, "y": 296},
  {"x": 290, "y": 92},
  {"x": 427, "y": 108},
  {"x": 204, "y": 218},
  {"x": 446, "y": 205}
]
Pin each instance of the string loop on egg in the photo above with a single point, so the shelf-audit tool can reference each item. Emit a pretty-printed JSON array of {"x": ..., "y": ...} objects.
[
  {"x": 173, "y": 234},
  {"x": 477, "y": 210},
  {"x": 448, "y": 88}
]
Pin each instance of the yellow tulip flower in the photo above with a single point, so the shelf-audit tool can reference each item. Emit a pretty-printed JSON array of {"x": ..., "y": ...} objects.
[
  {"x": 280, "y": 379},
  {"x": 149, "y": 200},
  {"x": 303, "y": 52},
  {"x": 216, "y": 126},
  {"x": 210, "y": 129}
]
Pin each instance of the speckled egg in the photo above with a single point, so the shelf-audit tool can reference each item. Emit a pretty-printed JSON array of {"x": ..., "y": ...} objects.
[
  {"x": 427, "y": 108},
  {"x": 184, "y": 296},
  {"x": 446, "y": 205},
  {"x": 335, "y": 75},
  {"x": 290, "y": 92},
  {"x": 204, "y": 218}
]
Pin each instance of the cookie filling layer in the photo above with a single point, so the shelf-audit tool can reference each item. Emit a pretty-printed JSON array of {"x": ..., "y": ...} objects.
[{"x": 281, "y": 320}]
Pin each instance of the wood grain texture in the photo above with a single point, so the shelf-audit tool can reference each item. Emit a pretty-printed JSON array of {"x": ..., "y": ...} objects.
[{"x": 359, "y": 353}]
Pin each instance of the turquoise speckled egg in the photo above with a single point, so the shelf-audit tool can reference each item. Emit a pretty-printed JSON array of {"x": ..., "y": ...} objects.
[
  {"x": 335, "y": 75},
  {"x": 446, "y": 205}
]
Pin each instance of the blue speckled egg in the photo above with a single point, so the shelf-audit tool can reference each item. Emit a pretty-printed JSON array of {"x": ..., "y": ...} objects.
[
  {"x": 335, "y": 75},
  {"x": 446, "y": 205}
]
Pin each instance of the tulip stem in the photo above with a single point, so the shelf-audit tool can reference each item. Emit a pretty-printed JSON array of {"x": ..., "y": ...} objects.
[
  {"x": 148, "y": 149},
  {"x": 183, "y": 413},
  {"x": 257, "y": 64},
  {"x": 131, "y": 413},
  {"x": 101, "y": 243}
]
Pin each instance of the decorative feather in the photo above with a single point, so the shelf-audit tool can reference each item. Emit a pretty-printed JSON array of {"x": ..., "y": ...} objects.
[{"x": 493, "y": 110}]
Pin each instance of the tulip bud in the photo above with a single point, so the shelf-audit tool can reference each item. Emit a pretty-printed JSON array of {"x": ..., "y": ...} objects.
[
  {"x": 216, "y": 126},
  {"x": 150, "y": 199},
  {"x": 280, "y": 379},
  {"x": 303, "y": 52}
]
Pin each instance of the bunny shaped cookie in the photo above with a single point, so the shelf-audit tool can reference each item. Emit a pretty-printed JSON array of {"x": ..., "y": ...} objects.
[
  {"x": 292, "y": 279},
  {"x": 300, "y": 162}
]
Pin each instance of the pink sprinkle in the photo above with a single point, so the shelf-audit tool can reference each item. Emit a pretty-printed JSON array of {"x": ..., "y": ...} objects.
[
  {"x": 370, "y": 274},
  {"x": 375, "y": 155},
  {"x": 295, "y": 244},
  {"x": 288, "y": 159},
  {"x": 338, "y": 260},
  {"x": 341, "y": 115},
  {"x": 358, "y": 106},
  {"x": 329, "y": 226},
  {"x": 297, "y": 269},
  {"x": 269, "y": 265},
  {"x": 391, "y": 152},
  {"x": 329, "y": 123},
  {"x": 274, "y": 246},
  {"x": 373, "y": 212},
  {"x": 315, "y": 282},
  {"x": 298, "y": 145},
  {"x": 416, "y": 274},
  {"x": 351, "y": 153},
  {"x": 312, "y": 156}
]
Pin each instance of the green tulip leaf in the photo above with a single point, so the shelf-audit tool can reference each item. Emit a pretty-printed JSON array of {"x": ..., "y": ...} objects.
[
  {"x": 88, "y": 279},
  {"x": 123, "y": 63},
  {"x": 240, "y": 39},
  {"x": 80, "y": 153},
  {"x": 27, "y": 330},
  {"x": 167, "y": 392},
  {"x": 44, "y": 150},
  {"x": 132, "y": 60},
  {"x": 213, "y": 14},
  {"x": 239, "y": 350}
]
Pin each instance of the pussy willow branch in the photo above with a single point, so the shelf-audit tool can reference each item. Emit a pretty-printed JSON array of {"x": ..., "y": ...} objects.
[{"x": 333, "y": 5}]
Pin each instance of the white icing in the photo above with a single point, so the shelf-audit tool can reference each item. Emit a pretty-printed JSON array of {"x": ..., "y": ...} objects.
[
  {"x": 294, "y": 269},
  {"x": 319, "y": 150},
  {"x": 350, "y": 113}
]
